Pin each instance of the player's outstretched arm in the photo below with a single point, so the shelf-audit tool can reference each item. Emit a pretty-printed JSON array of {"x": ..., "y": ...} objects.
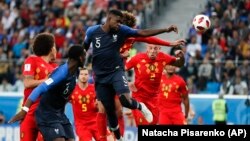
[
  {"x": 54, "y": 79},
  {"x": 152, "y": 32},
  {"x": 159, "y": 41},
  {"x": 185, "y": 100}
]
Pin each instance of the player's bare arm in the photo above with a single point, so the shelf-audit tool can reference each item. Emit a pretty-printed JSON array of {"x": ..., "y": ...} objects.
[
  {"x": 180, "y": 60},
  {"x": 152, "y": 32},
  {"x": 30, "y": 82},
  {"x": 20, "y": 115},
  {"x": 185, "y": 100}
]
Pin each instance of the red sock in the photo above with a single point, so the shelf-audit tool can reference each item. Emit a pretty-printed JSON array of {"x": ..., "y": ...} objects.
[
  {"x": 101, "y": 122},
  {"x": 121, "y": 125}
]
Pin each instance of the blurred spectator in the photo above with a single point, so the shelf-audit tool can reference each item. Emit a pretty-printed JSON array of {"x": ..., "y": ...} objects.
[
  {"x": 227, "y": 85},
  {"x": 2, "y": 118},
  {"x": 217, "y": 71},
  {"x": 5, "y": 86},
  {"x": 204, "y": 74},
  {"x": 193, "y": 46},
  {"x": 240, "y": 86},
  {"x": 18, "y": 86}
]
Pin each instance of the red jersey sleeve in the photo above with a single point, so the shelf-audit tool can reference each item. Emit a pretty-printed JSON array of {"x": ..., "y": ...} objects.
[
  {"x": 152, "y": 40},
  {"x": 127, "y": 45},
  {"x": 29, "y": 66},
  {"x": 130, "y": 63},
  {"x": 169, "y": 59}
]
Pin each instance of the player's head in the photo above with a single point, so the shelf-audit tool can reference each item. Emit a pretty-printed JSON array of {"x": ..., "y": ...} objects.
[
  {"x": 128, "y": 19},
  {"x": 44, "y": 44},
  {"x": 170, "y": 69},
  {"x": 114, "y": 19},
  {"x": 77, "y": 53},
  {"x": 153, "y": 50},
  {"x": 83, "y": 75}
]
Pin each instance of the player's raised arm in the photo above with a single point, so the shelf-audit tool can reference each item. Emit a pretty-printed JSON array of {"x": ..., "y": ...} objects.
[
  {"x": 152, "y": 32},
  {"x": 130, "y": 32},
  {"x": 54, "y": 79}
]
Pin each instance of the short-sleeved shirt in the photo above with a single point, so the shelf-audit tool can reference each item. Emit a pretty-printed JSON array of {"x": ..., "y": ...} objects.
[
  {"x": 148, "y": 72},
  {"x": 171, "y": 91},
  {"x": 83, "y": 103},
  {"x": 38, "y": 68},
  {"x": 106, "y": 49}
]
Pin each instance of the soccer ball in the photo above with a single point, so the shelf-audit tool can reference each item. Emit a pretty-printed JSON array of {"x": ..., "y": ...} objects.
[{"x": 201, "y": 23}]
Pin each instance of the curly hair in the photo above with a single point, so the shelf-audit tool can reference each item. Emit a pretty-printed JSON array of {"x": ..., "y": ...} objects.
[
  {"x": 129, "y": 19},
  {"x": 43, "y": 43}
]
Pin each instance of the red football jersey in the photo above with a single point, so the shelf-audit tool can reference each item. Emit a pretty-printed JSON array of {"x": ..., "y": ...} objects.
[
  {"x": 171, "y": 90},
  {"x": 148, "y": 72},
  {"x": 38, "y": 68},
  {"x": 127, "y": 45},
  {"x": 83, "y": 104}
]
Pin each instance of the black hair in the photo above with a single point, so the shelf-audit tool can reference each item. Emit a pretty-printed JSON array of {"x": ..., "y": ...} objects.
[
  {"x": 43, "y": 43},
  {"x": 75, "y": 51},
  {"x": 173, "y": 49},
  {"x": 116, "y": 12}
]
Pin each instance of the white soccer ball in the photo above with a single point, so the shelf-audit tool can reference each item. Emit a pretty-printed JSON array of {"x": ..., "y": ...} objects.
[{"x": 201, "y": 23}]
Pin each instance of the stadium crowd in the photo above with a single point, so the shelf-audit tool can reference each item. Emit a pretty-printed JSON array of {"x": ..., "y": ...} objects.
[
  {"x": 216, "y": 61},
  {"x": 21, "y": 20}
]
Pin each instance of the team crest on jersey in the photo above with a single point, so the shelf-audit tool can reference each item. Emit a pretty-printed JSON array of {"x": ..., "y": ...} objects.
[
  {"x": 152, "y": 67},
  {"x": 114, "y": 37}
]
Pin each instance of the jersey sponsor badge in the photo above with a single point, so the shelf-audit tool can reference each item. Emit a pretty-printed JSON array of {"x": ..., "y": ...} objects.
[
  {"x": 49, "y": 81},
  {"x": 27, "y": 67}
]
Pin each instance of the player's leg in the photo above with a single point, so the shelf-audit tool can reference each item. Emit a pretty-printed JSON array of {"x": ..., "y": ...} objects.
[
  {"x": 101, "y": 121},
  {"x": 119, "y": 113},
  {"x": 106, "y": 94},
  {"x": 28, "y": 129},
  {"x": 139, "y": 118},
  {"x": 151, "y": 104},
  {"x": 83, "y": 133},
  {"x": 120, "y": 85},
  {"x": 40, "y": 137}
]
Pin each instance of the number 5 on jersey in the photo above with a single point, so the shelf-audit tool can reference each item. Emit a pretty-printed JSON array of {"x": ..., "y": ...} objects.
[
  {"x": 97, "y": 42},
  {"x": 84, "y": 107}
]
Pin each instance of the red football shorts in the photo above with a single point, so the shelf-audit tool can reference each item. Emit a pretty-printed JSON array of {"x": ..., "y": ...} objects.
[
  {"x": 151, "y": 105},
  {"x": 87, "y": 132},
  {"x": 28, "y": 129},
  {"x": 172, "y": 118}
]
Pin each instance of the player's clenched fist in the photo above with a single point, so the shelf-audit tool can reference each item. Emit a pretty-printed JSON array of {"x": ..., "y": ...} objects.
[{"x": 172, "y": 28}]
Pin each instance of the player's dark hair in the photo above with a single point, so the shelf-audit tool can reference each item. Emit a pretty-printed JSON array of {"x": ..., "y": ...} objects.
[
  {"x": 129, "y": 19},
  {"x": 83, "y": 68},
  {"x": 43, "y": 43},
  {"x": 75, "y": 51},
  {"x": 116, "y": 12}
]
